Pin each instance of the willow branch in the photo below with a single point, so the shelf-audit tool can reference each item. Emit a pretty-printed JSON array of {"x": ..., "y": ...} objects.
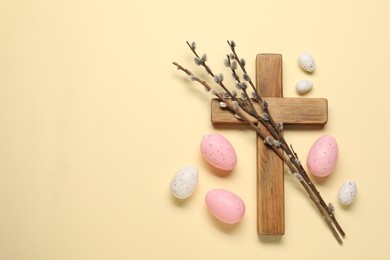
[{"x": 275, "y": 141}]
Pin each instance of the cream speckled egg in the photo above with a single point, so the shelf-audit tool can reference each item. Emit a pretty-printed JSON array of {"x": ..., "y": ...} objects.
[
  {"x": 306, "y": 62},
  {"x": 225, "y": 205},
  {"x": 184, "y": 182},
  {"x": 303, "y": 86},
  {"x": 347, "y": 192},
  {"x": 322, "y": 157},
  {"x": 218, "y": 151}
]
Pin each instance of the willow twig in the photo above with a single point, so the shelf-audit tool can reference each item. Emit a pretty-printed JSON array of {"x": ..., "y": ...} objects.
[{"x": 275, "y": 141}]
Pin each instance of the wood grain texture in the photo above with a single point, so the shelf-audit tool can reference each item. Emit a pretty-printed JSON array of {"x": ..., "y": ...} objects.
[
  {"x": 270, "y": 174},
  {"x": 270, "y": 191},
  {"x": 290, "y": 111}
]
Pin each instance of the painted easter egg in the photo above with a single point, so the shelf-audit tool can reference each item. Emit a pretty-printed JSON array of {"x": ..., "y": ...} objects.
[
  {"x": 225, "y": 205},
  {"x": 322, "y": 157},
  {"x": 306, "y": 62},
  {"x": 184, "y": 182},
  {"x": 347, "y": 192},
  {"x": 218, "y": 151},
  {"x": 303, "y": 86}
]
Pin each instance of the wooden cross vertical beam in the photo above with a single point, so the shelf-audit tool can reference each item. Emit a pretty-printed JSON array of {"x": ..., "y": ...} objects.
[
  {"x": 270, "y": 177},
  {"x": 290, "y": 111}
]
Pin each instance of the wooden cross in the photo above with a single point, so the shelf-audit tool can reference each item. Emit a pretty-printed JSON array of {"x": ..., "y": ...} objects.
[{"x": 290, "y": 111}]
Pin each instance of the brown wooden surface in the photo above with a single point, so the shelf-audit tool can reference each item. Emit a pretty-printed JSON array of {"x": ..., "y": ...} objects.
[
  {"x": 290, "y": 111},
  {"x": 270, "y": 174},
  {"x": 294, "y": 111},
  {"x": 270, "y": 191}
]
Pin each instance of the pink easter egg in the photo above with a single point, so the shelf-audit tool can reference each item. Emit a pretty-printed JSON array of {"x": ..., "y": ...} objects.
[
  {"x": 322, "y": 156},
  {"x": 218, "y": 151},
  {"x": 225, "y": 205}
]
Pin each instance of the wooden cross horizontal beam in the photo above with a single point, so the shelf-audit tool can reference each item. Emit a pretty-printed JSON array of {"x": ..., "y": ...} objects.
[{"x": 290, "y": 111}]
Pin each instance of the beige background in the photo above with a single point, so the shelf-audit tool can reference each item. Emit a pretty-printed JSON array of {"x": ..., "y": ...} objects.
[{"x": 95, "y": 121}]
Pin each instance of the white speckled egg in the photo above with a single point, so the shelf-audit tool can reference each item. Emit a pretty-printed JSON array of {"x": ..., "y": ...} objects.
[
  {"x": 218, "y": 151},
  {"x": 306, "y": 62},
  {"x": 225, "y": 205},
  {"x": 347, "y": 192},
  {"x": 184, "y": 182},
  {"x": 322, "y": 157},
  {"x": 303, "y": 86}
]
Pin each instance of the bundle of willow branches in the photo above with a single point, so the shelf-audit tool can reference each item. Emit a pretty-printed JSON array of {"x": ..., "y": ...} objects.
[{"x": 244, "y": 105}]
